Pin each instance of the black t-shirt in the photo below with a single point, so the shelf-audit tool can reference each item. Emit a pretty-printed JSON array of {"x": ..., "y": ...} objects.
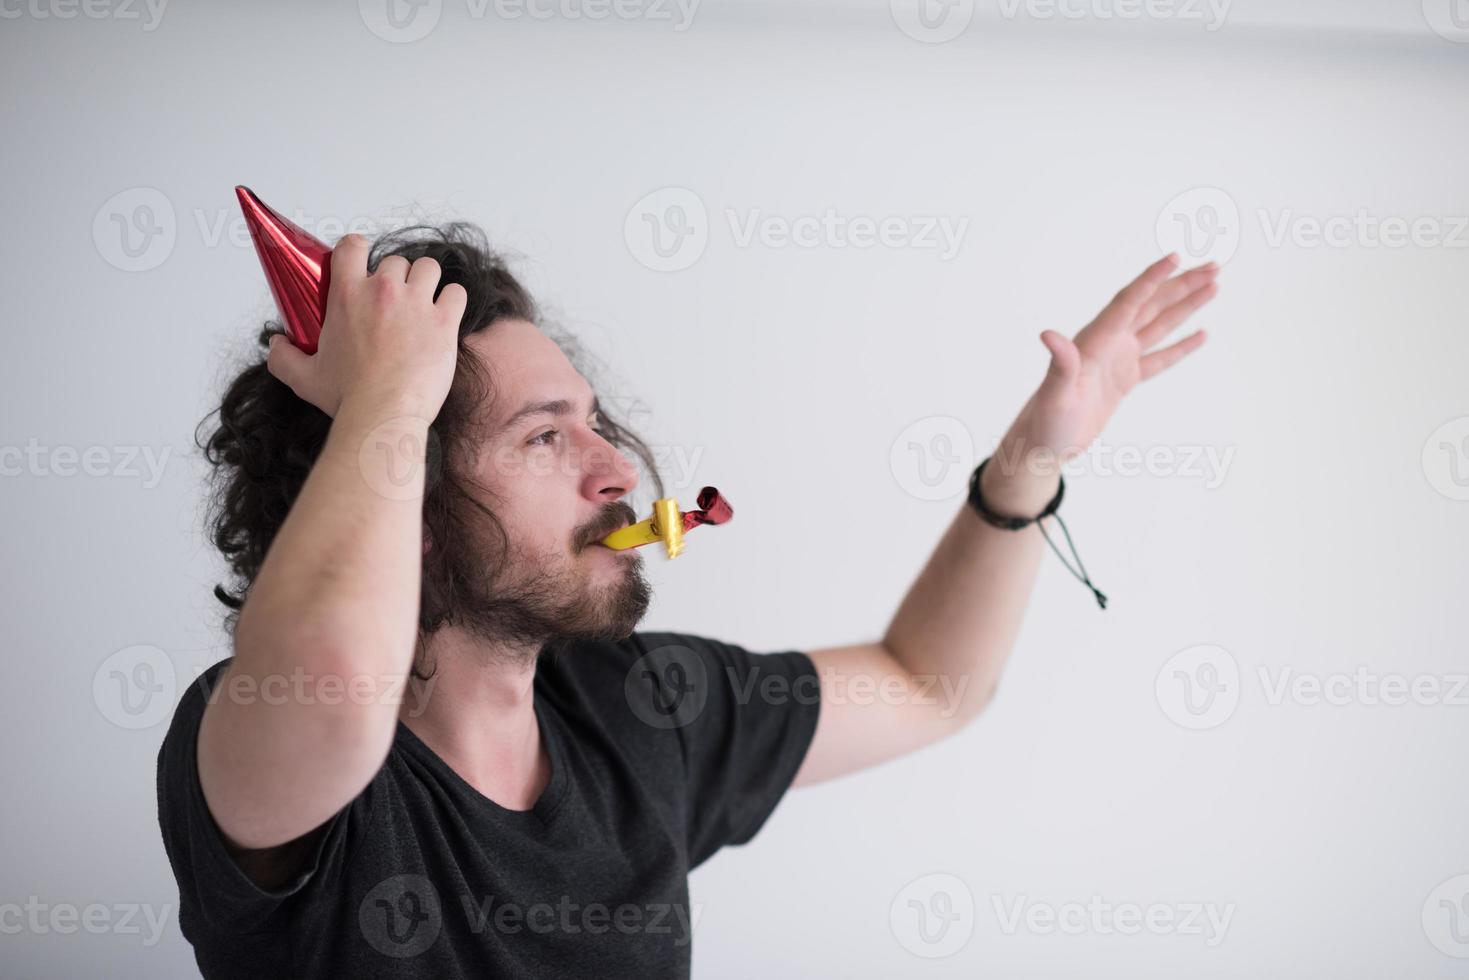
[{"x": 664, "y": 748}]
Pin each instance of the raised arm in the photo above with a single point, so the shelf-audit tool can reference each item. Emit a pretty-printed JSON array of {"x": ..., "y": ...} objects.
[
  {"x": 336, "y": 599},
  {"x": 940, "y": 661}
]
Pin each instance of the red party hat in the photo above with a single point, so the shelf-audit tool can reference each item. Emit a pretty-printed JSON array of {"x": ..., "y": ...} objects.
[{"x": 297, "y": 265}]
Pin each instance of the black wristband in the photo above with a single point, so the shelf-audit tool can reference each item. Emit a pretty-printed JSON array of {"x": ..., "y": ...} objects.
[{"x": 976, "y": 500}]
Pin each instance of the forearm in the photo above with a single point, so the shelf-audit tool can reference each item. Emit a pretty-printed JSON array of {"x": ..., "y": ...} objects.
[
  {"x": 307, "y": 711},
  {"x": 341, "y": 578},
  {"x": 959, "y": 619}
]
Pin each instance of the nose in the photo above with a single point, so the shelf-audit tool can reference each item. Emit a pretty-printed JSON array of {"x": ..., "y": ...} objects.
[{"x": 608, "y": 474}]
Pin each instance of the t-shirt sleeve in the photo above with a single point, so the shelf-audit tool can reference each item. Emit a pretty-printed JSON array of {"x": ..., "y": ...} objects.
[
  {"x": 745, "y": 721},
  {"x": 214, "y": 891}
]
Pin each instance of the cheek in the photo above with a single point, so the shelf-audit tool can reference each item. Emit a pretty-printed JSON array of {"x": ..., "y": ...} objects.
[{"x": 538, "y": 521}]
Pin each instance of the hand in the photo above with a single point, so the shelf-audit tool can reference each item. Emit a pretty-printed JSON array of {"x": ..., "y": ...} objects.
[
  {"x": 1088, "y": 377},
  {"x": 1090, "y": 374},
  {"x": 385, "y": 341}
]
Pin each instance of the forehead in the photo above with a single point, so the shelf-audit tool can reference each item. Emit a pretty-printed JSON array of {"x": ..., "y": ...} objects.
[{"x": 526, "y": 366}]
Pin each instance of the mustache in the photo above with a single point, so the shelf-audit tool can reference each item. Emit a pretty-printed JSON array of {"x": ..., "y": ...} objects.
[{"x": 612, "y": 517}]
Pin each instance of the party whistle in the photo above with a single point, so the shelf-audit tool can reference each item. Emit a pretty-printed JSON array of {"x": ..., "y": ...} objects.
[{"x": 668, "y": 525}]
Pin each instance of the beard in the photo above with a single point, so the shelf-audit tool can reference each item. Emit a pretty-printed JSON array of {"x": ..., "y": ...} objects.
[{"x": 541, "y": 599}]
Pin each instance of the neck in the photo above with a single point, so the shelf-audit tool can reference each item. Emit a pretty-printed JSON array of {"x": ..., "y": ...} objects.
[{"x": 477, "y": 712}]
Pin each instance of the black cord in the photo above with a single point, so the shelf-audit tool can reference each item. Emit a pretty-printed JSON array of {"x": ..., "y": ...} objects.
[{"x": 976, "y": 500}]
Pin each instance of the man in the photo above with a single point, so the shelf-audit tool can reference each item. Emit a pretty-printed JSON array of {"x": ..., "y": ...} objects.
[{"x": 441, "y": 748}]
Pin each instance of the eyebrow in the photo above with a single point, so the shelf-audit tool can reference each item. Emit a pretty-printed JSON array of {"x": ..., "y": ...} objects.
[{"x": 556, "y": 406}]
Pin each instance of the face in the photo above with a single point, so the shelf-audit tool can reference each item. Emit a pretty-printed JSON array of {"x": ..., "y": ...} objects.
[{"x": 557, "y": 487}]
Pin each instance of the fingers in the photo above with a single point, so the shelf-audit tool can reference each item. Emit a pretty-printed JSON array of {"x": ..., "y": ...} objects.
[
  {"x": 1176, "y": 289},
  {"x": 1065, "y": 358},
  {"x": 452, "y": 301},
  {"x": 1162, "y": 360},
  {"x": 1132, "y": 298},
  {"x": 393, "y": 268},
  {"x": 1172, "y": 316},
  {"x": 423, "y": 275},
  {"x": 288, "y": 363},
  {"x": 349, "y": 259}
]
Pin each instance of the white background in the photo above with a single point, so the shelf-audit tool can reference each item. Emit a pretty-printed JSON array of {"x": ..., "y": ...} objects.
[{"x": 1331, "y": 542}]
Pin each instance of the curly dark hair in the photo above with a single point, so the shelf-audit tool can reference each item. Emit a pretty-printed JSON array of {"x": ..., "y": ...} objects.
[{"x": 266, "y": 439}]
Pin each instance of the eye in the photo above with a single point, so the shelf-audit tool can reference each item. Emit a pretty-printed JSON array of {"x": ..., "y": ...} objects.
[{"x": 544, "y": 439}]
